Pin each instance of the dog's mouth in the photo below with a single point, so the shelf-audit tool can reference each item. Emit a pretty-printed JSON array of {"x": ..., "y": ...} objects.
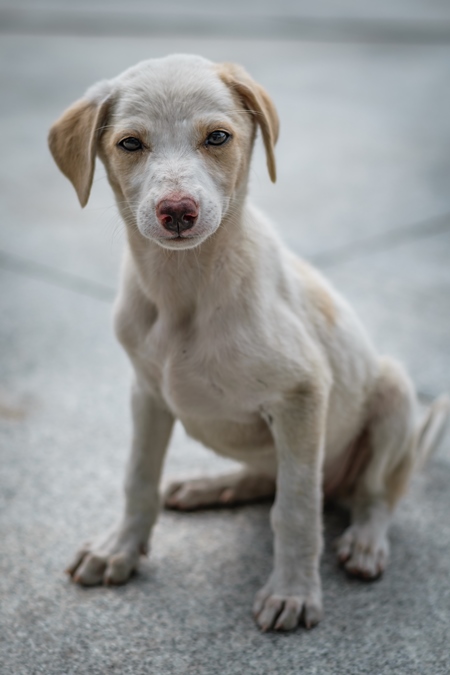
[
  {"x": 180, "y": 241},
  {"x": 180, "y": 238}
]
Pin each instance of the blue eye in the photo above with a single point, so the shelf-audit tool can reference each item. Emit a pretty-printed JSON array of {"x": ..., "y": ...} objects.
[
  {"x": 217, "y": 138},
  {"x": 131, "y": 144}
]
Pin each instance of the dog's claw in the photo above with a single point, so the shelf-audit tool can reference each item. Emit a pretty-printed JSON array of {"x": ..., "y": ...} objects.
[{"x": 284, "y": 612}]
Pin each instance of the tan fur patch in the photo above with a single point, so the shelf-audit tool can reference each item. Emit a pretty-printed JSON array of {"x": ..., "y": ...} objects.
[
  {"x": 231, "y": 161},
  {"x": 397, "y": 481},
  {"x": 73, "y": 143},
  {"x": 259, "y": 103},
  {"x": 317, "y": 292}
]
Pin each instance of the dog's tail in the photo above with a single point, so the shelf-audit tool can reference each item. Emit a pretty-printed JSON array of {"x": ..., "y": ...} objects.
[{"x": 431, "y": 429}]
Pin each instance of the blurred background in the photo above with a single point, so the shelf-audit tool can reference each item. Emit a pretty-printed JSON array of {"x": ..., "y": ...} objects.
[{"x": 362, "y": 90}]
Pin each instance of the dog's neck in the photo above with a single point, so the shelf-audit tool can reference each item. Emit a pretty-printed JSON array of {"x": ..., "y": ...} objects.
[{"x": 176, "y": 281}]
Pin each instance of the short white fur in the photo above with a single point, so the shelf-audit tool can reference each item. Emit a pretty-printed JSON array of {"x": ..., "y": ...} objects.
[{"x": 248, "y": 346}]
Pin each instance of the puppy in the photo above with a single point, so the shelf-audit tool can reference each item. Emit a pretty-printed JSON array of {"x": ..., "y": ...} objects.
[{"x": 227, "y": 331}]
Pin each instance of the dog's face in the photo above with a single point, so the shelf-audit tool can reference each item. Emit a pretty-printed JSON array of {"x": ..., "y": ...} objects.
[{"x": 175, "y": 135}]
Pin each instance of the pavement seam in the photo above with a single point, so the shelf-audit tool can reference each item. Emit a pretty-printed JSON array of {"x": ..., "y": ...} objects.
[
  {"x": 377, "y": 243},
  {"x": 382, "y": 242},
  {"x": 56, "y": 277}
]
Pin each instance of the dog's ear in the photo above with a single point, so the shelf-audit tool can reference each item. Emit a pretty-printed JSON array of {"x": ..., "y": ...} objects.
[
  {"x": 258, "y": 102},
  {"x": 73, "y": 142}
]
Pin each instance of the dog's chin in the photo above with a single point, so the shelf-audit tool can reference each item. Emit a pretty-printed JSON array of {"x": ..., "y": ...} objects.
[{"x": 180, "y": 243}]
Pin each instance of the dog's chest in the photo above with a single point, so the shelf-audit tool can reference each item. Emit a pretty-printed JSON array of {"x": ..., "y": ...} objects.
[
  {"x": 197, "y": 377},
  {"x": 193, "y": 388}
]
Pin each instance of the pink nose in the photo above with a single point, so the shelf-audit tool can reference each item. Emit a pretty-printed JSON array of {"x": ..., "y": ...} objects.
[{"x": 177, "y": 215}]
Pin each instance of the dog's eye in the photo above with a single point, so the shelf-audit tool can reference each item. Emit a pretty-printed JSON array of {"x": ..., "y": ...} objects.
[
  {"x": 217, "y": 138},
  {"x": 131, "y": 144}
]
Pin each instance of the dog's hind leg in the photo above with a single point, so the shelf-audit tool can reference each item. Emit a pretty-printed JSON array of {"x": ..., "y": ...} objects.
[
  {"x": 397, "y": 446},
  {"x": 238, "y": 487},
  {"x": 364, "y": 548}
]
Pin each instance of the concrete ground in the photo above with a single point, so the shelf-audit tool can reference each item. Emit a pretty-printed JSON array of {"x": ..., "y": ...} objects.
[{"x": 363, "y": 191}]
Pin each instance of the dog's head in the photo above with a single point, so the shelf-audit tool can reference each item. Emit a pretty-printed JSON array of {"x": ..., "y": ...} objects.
[{"x": 175, "y": 135}]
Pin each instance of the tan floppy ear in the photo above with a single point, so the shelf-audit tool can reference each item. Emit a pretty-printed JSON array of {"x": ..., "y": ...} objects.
[
  {"x": 73, "y": 143},
  {"x": 258, "y": 102}
]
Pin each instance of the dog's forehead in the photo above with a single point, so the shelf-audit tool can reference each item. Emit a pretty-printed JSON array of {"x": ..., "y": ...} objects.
[{"x": 172, "y": 89}]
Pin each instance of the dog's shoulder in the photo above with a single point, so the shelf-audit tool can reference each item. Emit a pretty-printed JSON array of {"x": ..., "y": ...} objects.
[
  {"x": 134, "y": 312},
  {"x": 321, "y": 298}
]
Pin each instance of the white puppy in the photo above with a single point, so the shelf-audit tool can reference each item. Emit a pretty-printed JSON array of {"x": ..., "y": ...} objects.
[{"x": 229, "y": 332}]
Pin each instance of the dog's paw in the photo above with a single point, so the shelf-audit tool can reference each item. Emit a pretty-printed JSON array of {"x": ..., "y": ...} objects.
[
  {"x": 226, "y": 490},
  {"x": 110, "y": 560},
  {"x": 194, "y": 494},
  {"x": 284, "y": 611},
  {"x": 363, "y": 551}
]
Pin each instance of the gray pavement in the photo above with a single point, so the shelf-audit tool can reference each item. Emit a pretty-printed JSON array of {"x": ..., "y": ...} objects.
[{"x": 364, "y": 171}]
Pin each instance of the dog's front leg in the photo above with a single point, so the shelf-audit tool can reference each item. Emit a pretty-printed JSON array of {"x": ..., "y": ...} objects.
[
  {"x": 112, "y": 558},
  {"x": 293, "y": 591}
]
